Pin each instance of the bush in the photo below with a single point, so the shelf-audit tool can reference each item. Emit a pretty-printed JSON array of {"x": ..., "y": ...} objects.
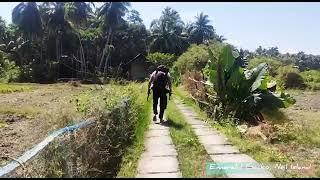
[
  {"x": 312, "y": 79},
  {"x": 289, "y": 77},
  {"x": 311, "y": 76},
  {"x": 162, "y": 59},
  {"x": 194, "y": 59},
  {"x": 9, "y": 72},
  {"x": 175, "y": 75},
  {"x": 273, "y": 63}
]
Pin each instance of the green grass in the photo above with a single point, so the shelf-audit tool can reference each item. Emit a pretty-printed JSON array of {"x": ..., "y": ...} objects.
[
  {"x": 10, "y": 88},
  {"x": 2, "y": 124},
  {"x": 130, "y": 160},
  {"x": 23, "y": 110},
  {"x": 192, "y": 156}
]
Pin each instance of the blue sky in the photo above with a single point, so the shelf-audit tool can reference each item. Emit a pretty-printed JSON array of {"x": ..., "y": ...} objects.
[{"x": 292, "y": 26}]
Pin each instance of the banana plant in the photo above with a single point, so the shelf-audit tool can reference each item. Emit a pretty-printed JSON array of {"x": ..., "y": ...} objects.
[{"x": 241, "y": 93}]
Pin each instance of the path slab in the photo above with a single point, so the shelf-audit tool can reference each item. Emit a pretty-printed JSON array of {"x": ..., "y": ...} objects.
[
  {"x": 158, "y": 141},
  {"x": 157, "y": 133},
  {"x": 221, "y": 149},
  {"x": 212, "y": 139},
  {"x": 154, "y": 126},
  {"x": 164, "y": 150},
  {"x": 204, "y": 132},
  {"x": 150, "y": 165},
  {"x": 199, "y": 126},
  {"x": 160, "y": 175},
  {"x": 196, "y": 122},
  {"x": 159, "y": 160},
  {"x": 237, "y": 158}
]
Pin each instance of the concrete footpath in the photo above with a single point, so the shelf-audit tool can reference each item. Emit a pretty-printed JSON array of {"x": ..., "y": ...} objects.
[
  {"x": 160, "y": 157},
  {"x": 220, "y": 150}
]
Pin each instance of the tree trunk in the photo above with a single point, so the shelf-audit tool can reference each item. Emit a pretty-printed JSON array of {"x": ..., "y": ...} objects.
[
  {"x": 105, "y": 48},
  {"x": 82, "y": 58},
  {"x": 57, "y": 56},
  {"x": 107, "y": 58}
]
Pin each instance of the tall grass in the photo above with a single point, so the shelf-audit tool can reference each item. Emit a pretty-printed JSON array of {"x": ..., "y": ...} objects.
[
  {"x": 130, "y": 159},
  {"x": 103, "y": 149}
]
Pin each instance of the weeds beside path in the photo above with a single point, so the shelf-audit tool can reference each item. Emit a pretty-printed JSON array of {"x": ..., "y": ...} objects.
[{"x": 130, "y": 160}]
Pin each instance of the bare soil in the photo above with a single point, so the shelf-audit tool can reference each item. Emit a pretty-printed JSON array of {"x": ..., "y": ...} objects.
[{"x": 26, "y": 116}]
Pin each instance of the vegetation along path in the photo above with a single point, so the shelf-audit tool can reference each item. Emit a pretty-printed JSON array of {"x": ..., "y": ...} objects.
[
  {"x": 160, "y": 157},
  {"x": 218, "y": 147}
]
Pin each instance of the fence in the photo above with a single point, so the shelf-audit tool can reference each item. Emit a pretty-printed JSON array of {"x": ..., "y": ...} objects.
[{"x": 36, "y": 149}]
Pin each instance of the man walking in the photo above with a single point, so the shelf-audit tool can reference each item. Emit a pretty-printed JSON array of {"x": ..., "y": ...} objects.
[{"x": 160, "y": 84}]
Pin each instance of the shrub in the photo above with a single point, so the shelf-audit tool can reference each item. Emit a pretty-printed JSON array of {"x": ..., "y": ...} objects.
[
  {"x": 289, "y": 77},
  {"x": 162, "y": 58},
  {"x": 175, "y": 75},
  {"x": 9, "y": 72},
  {"x": 273, "y": 63},
  {"x": 194, "y": 59},
  {"x": 311, "y": 76},
  {"x": 312, "y": 79}
]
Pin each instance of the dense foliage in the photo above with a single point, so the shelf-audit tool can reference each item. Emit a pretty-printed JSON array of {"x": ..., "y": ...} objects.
[
  {"x": 196, "y": 57},
  {"x": 233, "y": 91},
  {"x": 9, "y": 72},
  {"x": 80, "y": 40},
  {"x": 301, "y": 60},
  {"x": 53, "y": 40},
  {"x": 312, "y": 79},
  {"x": 162, "y": 58}
]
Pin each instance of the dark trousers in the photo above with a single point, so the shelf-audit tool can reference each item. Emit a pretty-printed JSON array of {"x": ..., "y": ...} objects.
[{"x": 163, "y": 101}]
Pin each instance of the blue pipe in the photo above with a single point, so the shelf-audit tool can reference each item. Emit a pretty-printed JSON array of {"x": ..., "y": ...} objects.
[{"x": 37, "y": 148}]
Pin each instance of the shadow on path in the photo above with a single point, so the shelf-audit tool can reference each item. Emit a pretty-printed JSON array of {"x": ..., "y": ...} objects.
[{"x": 170, "y": 123}]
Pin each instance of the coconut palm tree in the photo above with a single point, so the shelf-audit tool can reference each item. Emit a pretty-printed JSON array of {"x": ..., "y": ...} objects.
[
  {"x": 166, "y": 33},
  {"x": 134, "y": 17},
  {"x": 200, "y": 31},
  {"x": 219, "y": 38},
  {"x": 112, "y": 14},
  {"x": 78, "y": 12},
  {"x": 27, "y": 17},
  {"x": 57, "y": 25}
]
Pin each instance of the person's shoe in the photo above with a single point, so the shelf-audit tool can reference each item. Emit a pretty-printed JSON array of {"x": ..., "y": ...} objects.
[{"x": 155, "y": 118}]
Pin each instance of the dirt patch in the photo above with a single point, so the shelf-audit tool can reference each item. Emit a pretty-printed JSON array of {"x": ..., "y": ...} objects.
[
  {"x": 27, "y": 116},
  {"x": 306, "y": 100}
]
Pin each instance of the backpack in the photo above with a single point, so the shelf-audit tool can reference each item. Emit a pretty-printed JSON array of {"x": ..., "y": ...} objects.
[{"x": 160, "y": 80}]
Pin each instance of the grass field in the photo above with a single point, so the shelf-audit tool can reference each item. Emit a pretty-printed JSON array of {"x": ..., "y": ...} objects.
[{"x": 28, "y": 112}]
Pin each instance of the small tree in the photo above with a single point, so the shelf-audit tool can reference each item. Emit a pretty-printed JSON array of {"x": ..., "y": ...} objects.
[{"x": 162, "y": 58}]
